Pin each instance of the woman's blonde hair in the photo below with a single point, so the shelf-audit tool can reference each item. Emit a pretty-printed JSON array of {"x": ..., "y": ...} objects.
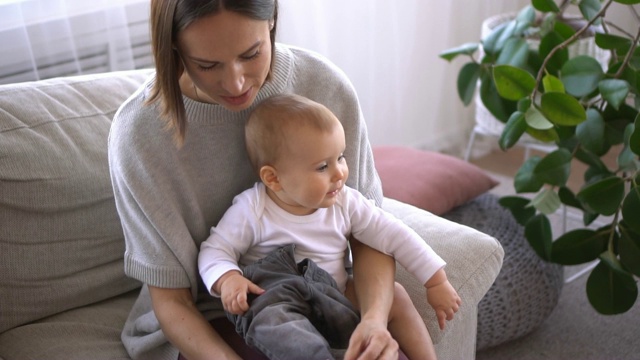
[{"x": 168, "y": 18}]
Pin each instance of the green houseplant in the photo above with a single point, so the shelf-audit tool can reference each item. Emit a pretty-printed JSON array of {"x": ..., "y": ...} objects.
[{"x": 587, "y": 112}]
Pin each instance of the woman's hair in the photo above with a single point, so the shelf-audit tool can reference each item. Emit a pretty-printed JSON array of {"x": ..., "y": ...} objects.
[
  {"x": 168, "y": 18},
  {"x": 276, "y": 119}
]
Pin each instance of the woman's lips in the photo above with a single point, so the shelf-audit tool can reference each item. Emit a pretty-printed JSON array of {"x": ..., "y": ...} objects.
[{"x": 237, "y": 100}]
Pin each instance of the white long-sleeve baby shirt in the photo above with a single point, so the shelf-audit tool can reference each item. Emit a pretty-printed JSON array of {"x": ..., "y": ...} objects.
[{"x": 255, "y": 225}]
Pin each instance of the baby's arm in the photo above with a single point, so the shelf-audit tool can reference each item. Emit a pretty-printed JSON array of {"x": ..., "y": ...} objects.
[
  {"x": 442, "y": 297},
  {"x": 233, "y": 289}
]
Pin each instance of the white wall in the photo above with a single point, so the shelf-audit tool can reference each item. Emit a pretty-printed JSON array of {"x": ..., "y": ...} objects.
[{"x": 389, "y": 49}]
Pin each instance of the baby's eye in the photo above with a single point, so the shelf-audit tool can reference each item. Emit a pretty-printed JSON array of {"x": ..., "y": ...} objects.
[
  {"x": 322, "y": 168},
  {"x": 341, "y": 158}
]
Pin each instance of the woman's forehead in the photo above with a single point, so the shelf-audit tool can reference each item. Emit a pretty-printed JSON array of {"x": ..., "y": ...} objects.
[{"x": 221, "y": 35}]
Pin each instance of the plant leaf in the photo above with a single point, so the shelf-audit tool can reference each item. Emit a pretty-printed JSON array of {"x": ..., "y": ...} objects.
[
  {"x": 562, "y": 109},
  {"x": 547, "y": 202},
  {"x": 464, "y": 49},
  {"x": 604, "y": 196},
  {"x": 545, "y": 5},
  {"x": 578, "y": 246},
  {"x": 634, "y": 140},
  {"x": 536, "y": 119},
  {"x": 513, "y": 130},
  {"x": 626, "y": 157},
  {"x": 525, "y": 18},
  {"x": 590, "y": 133},
  {"x": 568, "y": 198},
  {"x": 513, "y": 83},
  {"x": 547, "y": 43},
  {"x": 610, "y": 289},
  {"x": 629, "y": 247},
  {"x": 500, "y": 108},
  {"x": 628, "y": 2},
  {"x": 631, "y": 209},
  {"x": 552, "y": 84},
  {"x": 581, "y": 75},
  {"x": 614, "y": 91},
  {"x": 519, "y": 208},
  {"x": 592, "y": 160},
  {"x": 494, "y": 41},
  {"x": 515, "y": 53},
  {"x": 468, "y": 81},
  {"x": 589, "y": 8},
  {"x": 538, "y": 233},
  {"x": 549, "y": 135},
  {"x": 525, "y": 180},
  {"x": 612, "y": 42},
  {"x": 554, "y": 168}
]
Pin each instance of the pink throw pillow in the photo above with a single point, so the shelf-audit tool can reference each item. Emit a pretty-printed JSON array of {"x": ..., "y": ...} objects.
[{"x": 429, "y": 180}]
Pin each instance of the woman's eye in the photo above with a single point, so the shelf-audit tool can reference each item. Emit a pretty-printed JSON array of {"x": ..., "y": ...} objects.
[
  {"x": 207, "y": 67},
  {"x": 252, "y": 56}
]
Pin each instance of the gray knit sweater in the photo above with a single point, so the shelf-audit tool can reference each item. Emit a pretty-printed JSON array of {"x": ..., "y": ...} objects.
[{"x": 168, "y": 198}]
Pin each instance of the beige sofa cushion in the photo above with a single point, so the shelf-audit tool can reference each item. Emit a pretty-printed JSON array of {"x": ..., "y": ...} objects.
[{"x": 61, "y": 243}]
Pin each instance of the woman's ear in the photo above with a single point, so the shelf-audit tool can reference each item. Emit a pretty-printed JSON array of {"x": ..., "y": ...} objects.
[{"x": 269, "y": 177}]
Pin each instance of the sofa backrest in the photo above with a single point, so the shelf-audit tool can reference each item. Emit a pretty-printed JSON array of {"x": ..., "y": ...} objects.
[{"x": 61, "y": 242}]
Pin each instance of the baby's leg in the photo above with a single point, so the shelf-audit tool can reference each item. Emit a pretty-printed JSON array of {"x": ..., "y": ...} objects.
[{"x": 405, "y": 324}]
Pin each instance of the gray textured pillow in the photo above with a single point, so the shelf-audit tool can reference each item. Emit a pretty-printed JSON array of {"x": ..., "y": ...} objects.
[{"x": 61, "y": 243}]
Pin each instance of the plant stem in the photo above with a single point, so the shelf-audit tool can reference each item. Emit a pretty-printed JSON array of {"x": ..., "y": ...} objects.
[
  {"x": 627, "y": 58},
  {"x": 566, "y": 43},
  {"x": 612, "y": 233},
  {"x": 563, "y": 6}
]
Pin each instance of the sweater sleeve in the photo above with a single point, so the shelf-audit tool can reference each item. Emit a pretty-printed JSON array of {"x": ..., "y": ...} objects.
[
  {"x": 159, "y": 247},
  {"x": 384, "y": 232},
  {"x": 229, "y": 239}
]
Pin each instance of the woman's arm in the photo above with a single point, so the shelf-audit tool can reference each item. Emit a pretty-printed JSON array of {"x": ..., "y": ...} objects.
[
  {"x": 185, "y": 327},
  {"x": 373, "y": 274}
]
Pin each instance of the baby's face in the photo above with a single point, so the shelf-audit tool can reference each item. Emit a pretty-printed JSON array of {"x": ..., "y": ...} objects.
[{"x": 312, "y": 170}]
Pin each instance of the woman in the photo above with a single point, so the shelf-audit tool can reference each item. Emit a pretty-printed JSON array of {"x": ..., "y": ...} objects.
[{"x": 177, "y": 158}]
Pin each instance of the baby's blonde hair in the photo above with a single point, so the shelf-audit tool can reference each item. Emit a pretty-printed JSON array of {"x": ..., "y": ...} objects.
[{"x": 276, "y": 119}]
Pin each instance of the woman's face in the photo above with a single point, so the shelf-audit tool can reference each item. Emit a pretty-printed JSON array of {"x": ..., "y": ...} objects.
[{"x": 226, "y": 58}]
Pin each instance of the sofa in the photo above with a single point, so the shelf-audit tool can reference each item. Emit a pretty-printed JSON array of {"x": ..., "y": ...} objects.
[{"x": 63, "y": 292}]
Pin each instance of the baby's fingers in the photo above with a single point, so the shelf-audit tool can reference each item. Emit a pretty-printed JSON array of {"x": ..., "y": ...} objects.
[
  {"x": 255, "y": 289},
  {"x": 442, "y": 318}
]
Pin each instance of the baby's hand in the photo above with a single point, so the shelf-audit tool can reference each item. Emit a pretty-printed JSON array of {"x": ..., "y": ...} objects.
[
  {"x": 445, "y": 301},
  {"x": 233, "y": 292}
]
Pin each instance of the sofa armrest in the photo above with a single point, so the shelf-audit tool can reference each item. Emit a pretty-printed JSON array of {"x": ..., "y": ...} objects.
[{"x": 473, "y": 261}]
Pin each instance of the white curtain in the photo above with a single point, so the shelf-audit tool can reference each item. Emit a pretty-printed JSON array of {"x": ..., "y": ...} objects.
[
  {"x": 389, "y": 50},
  {"x": 47, "y": 38}
]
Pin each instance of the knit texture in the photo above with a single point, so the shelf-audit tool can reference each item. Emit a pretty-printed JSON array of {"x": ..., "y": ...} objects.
[{"x": 527, "y": 288}]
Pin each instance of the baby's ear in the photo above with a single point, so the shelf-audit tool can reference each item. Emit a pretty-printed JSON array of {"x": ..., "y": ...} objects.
[{"x": 269, "y": 177}]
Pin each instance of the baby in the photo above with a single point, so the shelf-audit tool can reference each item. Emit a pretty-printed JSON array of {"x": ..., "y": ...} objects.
[{"x": 290, "y": 231}]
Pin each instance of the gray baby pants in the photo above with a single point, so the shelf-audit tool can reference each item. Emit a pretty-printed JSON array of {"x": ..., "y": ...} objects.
[{"x": 301, "y": 315}]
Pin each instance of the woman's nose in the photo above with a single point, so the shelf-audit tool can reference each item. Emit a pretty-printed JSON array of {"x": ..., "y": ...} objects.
[{"x": 233, "y": 80}]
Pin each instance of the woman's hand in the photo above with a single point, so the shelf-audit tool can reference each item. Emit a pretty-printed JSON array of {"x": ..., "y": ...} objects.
[
  {"x": 373, "y": 279},
  {"x": 371, "y": 340}
]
